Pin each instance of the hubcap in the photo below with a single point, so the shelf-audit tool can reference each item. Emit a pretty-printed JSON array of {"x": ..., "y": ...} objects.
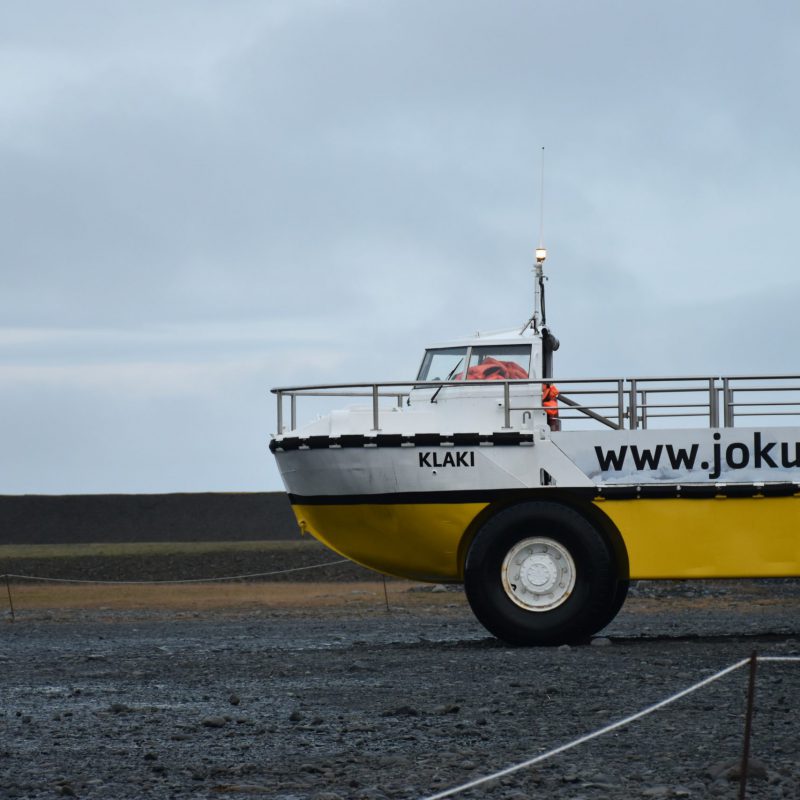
[{"x": 538, "y": 574}]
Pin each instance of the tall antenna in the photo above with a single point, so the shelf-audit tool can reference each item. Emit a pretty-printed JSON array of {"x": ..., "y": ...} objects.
[
  {"x": 539, "y": 319},
  {"x": 541, "y": 205}
]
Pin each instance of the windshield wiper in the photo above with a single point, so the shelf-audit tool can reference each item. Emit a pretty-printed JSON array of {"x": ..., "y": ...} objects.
[{"x": 449, "y": 377}]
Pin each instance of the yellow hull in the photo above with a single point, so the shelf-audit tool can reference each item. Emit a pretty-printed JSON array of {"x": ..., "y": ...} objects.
[
  {"x": 416, "y": 540},
  {"x": 742, "y": 537},
  {"x": 665, "y": 538}
]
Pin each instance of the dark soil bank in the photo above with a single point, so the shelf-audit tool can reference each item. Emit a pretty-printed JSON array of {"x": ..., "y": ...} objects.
[
  {"x": 200, "y": 517},
  {"x": 365, "y": 704},
  {"x": 292, "y": 559}
]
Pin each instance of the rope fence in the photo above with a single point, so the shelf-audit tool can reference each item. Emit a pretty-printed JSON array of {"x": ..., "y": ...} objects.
[
  {"x": 751, "y": 661},
  {"x": 7, "y": 576}
]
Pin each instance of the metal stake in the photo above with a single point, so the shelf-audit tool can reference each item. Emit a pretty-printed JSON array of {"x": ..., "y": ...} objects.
[
  {"x": 385, "y": 593},
  {"x": 748, "y": 725},
  {"x": 10, "y": 601}
]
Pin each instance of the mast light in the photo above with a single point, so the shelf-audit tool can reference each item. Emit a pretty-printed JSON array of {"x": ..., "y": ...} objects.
[{"x": 541, "y": 255}]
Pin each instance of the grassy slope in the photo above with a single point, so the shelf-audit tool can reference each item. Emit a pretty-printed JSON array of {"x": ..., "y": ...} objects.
[{"x": 17, "y": 551}]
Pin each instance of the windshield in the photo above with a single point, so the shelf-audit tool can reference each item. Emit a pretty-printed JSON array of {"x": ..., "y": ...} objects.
[
  {"x": 499, "y": 362},
  {"x": 442, "y": 365}
]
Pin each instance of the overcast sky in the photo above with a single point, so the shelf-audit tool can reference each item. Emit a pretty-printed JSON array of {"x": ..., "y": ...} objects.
[{"x": 200, "y": 201}]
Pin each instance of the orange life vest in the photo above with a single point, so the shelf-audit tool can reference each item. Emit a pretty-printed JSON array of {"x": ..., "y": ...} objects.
[
  {"x": 550, "y": 399},
  {"x": 491, "y": 369}
]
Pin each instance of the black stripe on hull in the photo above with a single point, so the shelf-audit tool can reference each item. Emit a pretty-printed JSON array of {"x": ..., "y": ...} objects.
[
  {"x": 646, "y": 491},
  {"x": 498, "y": 439}
]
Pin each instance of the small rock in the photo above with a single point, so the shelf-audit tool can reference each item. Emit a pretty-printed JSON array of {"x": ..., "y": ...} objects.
[
  {"x": 564, "y": 648},
  {"x": 600, "y": 641},
  {"x": 67, "y": 791},
  {"x": 119, "y": 708},
  {"x": 149, "y": 756},
  {"x": 234, "y": 700},
  {"x": 732, "y": 769},
  {"x": 401, "y": 711},
  {"x": 370, "y": 793},
  {"x": 438, "y": 588},
  {"x": 213, "y": 722},
  {"x": 295, "y": 716},
  {"x": 447, "y": 709},
  {"x": 657, "y": 791}
]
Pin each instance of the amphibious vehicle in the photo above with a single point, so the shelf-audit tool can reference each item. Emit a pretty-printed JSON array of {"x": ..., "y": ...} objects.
[{"x": 546, "y": 496}]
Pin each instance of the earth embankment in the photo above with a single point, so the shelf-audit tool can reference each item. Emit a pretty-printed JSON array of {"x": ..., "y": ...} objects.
[
  {"x": 180, "y": 517},
  {"x": 303, "y": 560}
]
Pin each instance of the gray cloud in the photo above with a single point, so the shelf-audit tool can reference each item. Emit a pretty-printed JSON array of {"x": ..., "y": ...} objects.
[{"x": 200, "y": 201}]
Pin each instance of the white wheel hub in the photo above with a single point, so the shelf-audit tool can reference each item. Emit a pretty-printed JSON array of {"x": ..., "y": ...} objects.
[{"x": 538, "y": 574}]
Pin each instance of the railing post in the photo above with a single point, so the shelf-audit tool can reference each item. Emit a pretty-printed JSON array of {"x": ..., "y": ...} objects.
[
  {"x": 633, "y": 411},
  {"x": 293, "y": 414},
  {"x": 713, "y": 404},
  {"x": 506, "y": 405},
  {"x": 621, "y": 403},
  {"x": 279, "y": 395},
  {"x": 644, "y": 409},
  {"x": 375, "y": 419},
  {"x": 727, "y": 403}
]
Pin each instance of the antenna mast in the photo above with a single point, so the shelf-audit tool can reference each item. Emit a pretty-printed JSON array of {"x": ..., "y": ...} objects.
[
  {"x": 538, "y": 320},
  {"x": 541, "y": 205}
]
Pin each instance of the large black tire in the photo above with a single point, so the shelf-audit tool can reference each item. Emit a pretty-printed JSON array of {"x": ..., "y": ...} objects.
[{"x": 554, "y": 547}]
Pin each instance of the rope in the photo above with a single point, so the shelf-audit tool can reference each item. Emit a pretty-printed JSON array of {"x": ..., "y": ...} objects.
[
  {"x": 187, "y": 580},
  {"x": 589, "y": 736},
  {"x": 778, "y": 658}
]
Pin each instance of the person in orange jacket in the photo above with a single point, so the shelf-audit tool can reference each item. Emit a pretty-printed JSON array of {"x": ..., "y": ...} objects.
[{"x": 550, "y": 405}]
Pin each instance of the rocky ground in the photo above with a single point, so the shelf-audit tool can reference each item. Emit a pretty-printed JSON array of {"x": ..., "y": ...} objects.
[{"x": 350, "y": 701}]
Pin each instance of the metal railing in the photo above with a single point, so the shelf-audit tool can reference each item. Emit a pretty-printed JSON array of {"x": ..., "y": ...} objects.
[{"x": 616, "y": 403}]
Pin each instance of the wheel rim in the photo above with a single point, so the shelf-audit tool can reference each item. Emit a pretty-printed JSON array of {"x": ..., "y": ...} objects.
[{"x": 538, "y": 574}]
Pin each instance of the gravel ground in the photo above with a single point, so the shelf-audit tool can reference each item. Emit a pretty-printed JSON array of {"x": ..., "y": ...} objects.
[{"x": 354, "y": 702}]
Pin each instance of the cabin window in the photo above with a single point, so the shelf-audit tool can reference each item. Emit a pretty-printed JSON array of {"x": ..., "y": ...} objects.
[
  {"x": 499, "y": 362},
  {"x": 446, "y": 364}
]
